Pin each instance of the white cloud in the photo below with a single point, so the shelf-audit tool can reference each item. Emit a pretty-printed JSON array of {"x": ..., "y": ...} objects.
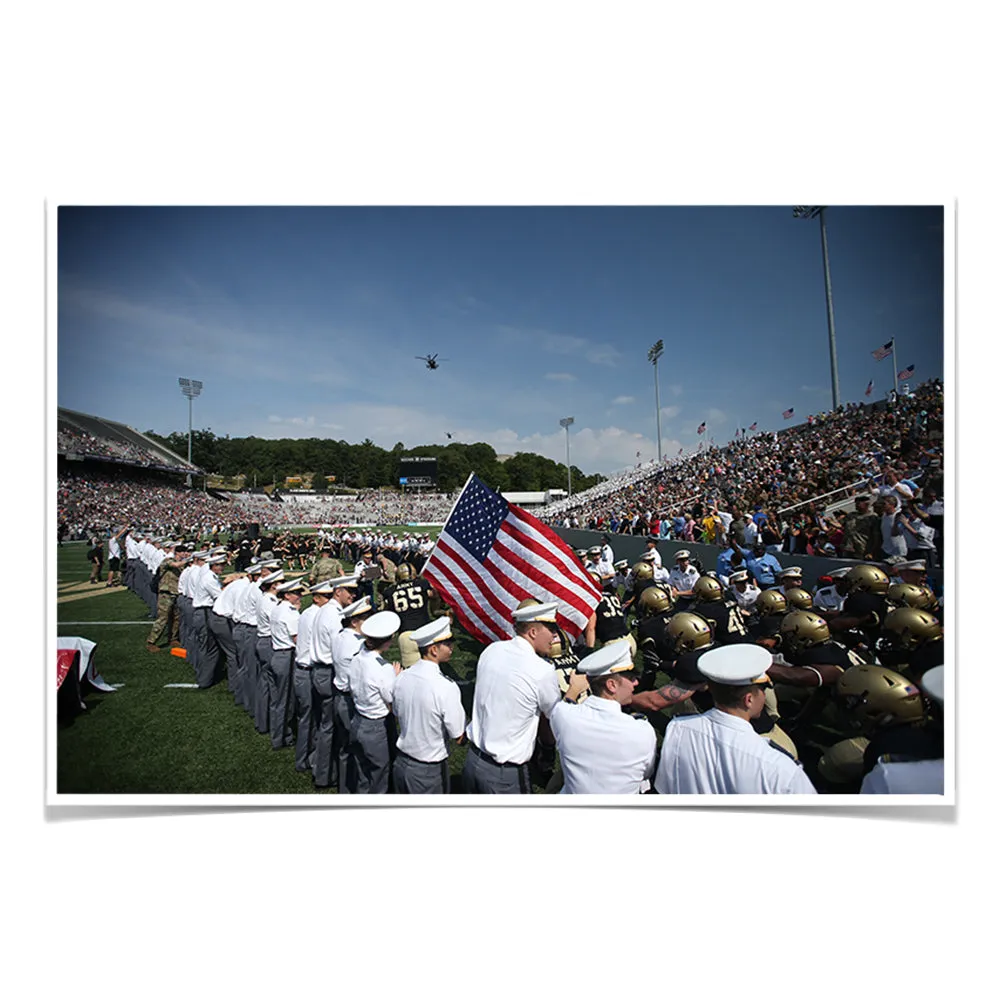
[
  {"x": 622, "y": 400},
  {"x": 560, "y": 377},
  {"x": 675, "y": 389},
  {"x": 294, "y": 421},
  {"x": 669, "y": 411},
  {"x": 716, "y": 416},
  {"x": 596, "y": 352}
]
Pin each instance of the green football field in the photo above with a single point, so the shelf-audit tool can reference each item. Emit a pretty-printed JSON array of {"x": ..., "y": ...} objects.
[{"x": 146, "y": 738}]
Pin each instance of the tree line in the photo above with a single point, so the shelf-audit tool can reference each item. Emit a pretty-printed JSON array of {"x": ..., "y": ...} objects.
[{"x": 366, "y": 465}]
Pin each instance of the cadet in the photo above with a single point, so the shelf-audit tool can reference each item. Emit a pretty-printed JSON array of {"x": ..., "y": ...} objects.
[
  {"x": 719, "y": 752},
  {"x": 372, "y": 681},
  {"x": 743, "y": 590},
  {"x": 205, "y": 589},
  {"x": 305, "y": 714},
  {"x": 167, "y": 624},
  {"x": 267, "y": 603},
  {"x": 831, "y": 598},
  {"x": 326, "y": 567},
  {"x": 683, "y": 576},
  {"x": 284, "y": 621},
  {"x": 514, "y": 688},
  {"x": 790, "y": 578},
  {"x": 220, "y": 621},
  {"x": 607, "y": 623},
  {"x": 865, "y": 606},
  {"x": 912, "y": 641},
  {"x": 602, "y": 750},
  {"x": 428, "y": 708},
  {"x": 727, "y": 621},
  {"x": 345, "y": 646}
]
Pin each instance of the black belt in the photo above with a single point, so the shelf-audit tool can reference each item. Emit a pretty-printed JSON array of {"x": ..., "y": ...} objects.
[
  {"x": 417, "y": 760},
  {"x": 490, "y": 758},
  {"x": 303, "y": 666}
]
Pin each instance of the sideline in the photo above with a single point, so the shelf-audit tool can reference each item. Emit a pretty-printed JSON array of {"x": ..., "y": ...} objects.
[{"x": 148, "y": 621}]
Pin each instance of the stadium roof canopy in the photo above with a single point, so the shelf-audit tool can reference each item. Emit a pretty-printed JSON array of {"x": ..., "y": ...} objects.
[{"x": 119, "y": 433}]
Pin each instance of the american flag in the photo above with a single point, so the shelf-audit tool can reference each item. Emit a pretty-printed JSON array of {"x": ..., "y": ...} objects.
[
  {"x": 701, "y": 427},
  {"x": 680, "y": 451},
  {"x": 787, "y": 413},
  {"x": 883, "y": 352},
  {"x": 491, "y": 555},
  {"x": 753, "y": 426},
  {"x": 905, "y": 374},
  {"x": 868, "y": 391}
]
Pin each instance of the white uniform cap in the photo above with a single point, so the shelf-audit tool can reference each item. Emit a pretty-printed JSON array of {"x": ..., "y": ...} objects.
[
  {"x": 536, "y": 613},
  {"x": 836, "y": 574},
  {"x": 218, "y": 550},
  {"x": 254, "y": 568},
  {"x": 435, "y": 631},
  {"x": 894, "y": 561},
  {"x": 361, "y": 607},
  {"x": 610, "y": 659},
  {"x": 580, "y": 552},
  {"x": 216, "y": 560},
  {"x": 286, "y": 588},
  {"x": 682, "y": 554},
  {"x": 273, "y": 577},
  {"x": 594, "y": 550},
  {"x": 199, "y": 555},
  {"x": 738, "y": 664},
  {"x": 270, "y": 564},
  {"x": 933, "y": 683},
  {"x": 326, "y": 587},
  {"x": 740, "y": 574},
  {"x": 917, "y": 564},
  {"x": 647, "y": 557},
  {"x": 791, "y": 571},
  {"x": 621, "y": 564},
  {"x": 381, "y": 625},
  {"x": 344, "y": 581}
]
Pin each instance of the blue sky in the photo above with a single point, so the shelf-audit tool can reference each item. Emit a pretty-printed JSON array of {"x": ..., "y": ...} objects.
[{"x": 306, "y": 322}]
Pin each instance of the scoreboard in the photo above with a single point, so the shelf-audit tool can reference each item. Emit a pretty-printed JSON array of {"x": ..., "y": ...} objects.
[{"x": 418, "y": 471}]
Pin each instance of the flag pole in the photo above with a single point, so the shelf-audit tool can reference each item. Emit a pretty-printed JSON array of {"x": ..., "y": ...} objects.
[
  {"x": 446, "y": 520},
  {"x": 895, "y": 376}
]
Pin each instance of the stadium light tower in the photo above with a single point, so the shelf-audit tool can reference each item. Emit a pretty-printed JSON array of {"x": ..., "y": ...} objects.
[
  {"x": 190, "y": 388},
  {"x": 810, "y": 212},
  {"x": 654, "y": 355},
  {"x": 565, "y": 422}
]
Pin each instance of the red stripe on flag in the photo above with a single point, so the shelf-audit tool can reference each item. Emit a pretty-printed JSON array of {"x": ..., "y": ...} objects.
[
  {"x": 572, "y": 580},
  {"x": 487, "y": 591},
  {"x": 476, "y": 592},
  {"x": 556, "y": 589},
  {"x": 460, "y": 614},
  {"x": 560, "y": 545},
  {"x": 487, "y": 630}
]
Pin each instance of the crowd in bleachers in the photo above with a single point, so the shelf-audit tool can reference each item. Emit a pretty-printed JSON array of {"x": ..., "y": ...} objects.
[
  {"x": 69, "y": 439},
  {"x": 370, "y": 506},
  {"x": 790, "y": 478}
]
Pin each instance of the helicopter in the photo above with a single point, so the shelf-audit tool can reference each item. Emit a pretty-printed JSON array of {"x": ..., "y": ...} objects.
[{"x": 431, "y": 360}]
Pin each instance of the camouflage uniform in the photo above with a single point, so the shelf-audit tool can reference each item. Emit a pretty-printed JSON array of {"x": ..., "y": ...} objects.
[
  {"x": 167, "y": 616},
  {"x": 325, "y": 568}
]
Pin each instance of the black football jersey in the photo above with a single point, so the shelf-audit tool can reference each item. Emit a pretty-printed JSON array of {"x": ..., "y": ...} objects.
[
  {"x": 728, "y": 624},
  {"x": 409, "y": 600},
  {"x": 825, "y": 652},
  {"x": 610, "y": 622}
]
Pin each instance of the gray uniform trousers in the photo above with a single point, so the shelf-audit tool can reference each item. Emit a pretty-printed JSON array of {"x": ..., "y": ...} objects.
[
  {"x": 208, "y": 666},
  {"x": 343, "y": 713},
  {"x": 222, "y": 629},
  {"x": 305, "y": 717},
  {"x": 322, "y": 686},
  {"x": 416, "y": 777},
  {"x": 262, "y": 700},
  {"x": 187, "y": 627},
  {"x": 372, "y": 741},
  {"x": 279, "y": 696},
  {"x": 244, "y": 636},
  {"x": 481, "y": 776}
]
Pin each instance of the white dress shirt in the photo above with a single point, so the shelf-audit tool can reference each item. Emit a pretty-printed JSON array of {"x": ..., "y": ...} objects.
[
  {"x": 264, "y": 608},
  {"x": 827, "y": 599},
  {"x": 284, "y": 621},
  {"x": 602, "y": 750},
  {"x": 346, "y": 646},
  {"x": 683, "y": 580},
  {"x": 719, "y": 753},
  {"x": 372, "y": 681},
  {"x": 184, "y": 581},
  {"x": 513, "y": 685},
  {"x": 225, "y": 604},
  {"x": 325, "y": 629},
  {"x": 428, "y": 706},
  {"x": 909, "y": 777},
  {"x": 205, "y": 587},
  {"x": 748, "y": 597},
  {"x": 303, "y": 635},
  {"x": 246, "y": 607}
]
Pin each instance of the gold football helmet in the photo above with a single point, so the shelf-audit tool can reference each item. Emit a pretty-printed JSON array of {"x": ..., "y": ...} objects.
[
  {"x": 932, "y": 601},
  {"x": 404, "y": 572},
  {"x": 707, "y": 588},
  {"x": 560, "y": 643},
  {"x": 798, "y": 599},
  {"x": 595, "y": 576},
  {"x": 642, "y": 571},
  {"x": 655, "y": 600},
  {"x": 867, "y": 578},
  {"x": 908, "y": 595},
  {"x": 844, "y": 761},
  {"x": 689, "y": 631},
  {"x": 876, "y": 696},
  {"x": 771, "y": 602},
  {"x": 802, "y": 630},
  {"x": 907, "y": 628}
]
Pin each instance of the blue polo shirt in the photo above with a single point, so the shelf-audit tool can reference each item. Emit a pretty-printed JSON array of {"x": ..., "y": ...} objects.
[
  {"x": 764, "y": 569},
  {"x": 724, "y": 564}
]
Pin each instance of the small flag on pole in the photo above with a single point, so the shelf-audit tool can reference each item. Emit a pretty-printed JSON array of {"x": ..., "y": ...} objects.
[
  {"x": 753, "y": 426},
  {"x": 868, "y": 391},
  {"x": 905, "y": 374},
  {"x": 787, "y": 413},
  {"x": 883, "y": 352},
  {"x": 701, "y": 427},
  {"x": 637, "y": 454},
  {"x": 680, "y": 451}
]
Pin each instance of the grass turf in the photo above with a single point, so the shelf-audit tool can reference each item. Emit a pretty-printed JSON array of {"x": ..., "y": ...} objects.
[{"x": 148, "y": 739}]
